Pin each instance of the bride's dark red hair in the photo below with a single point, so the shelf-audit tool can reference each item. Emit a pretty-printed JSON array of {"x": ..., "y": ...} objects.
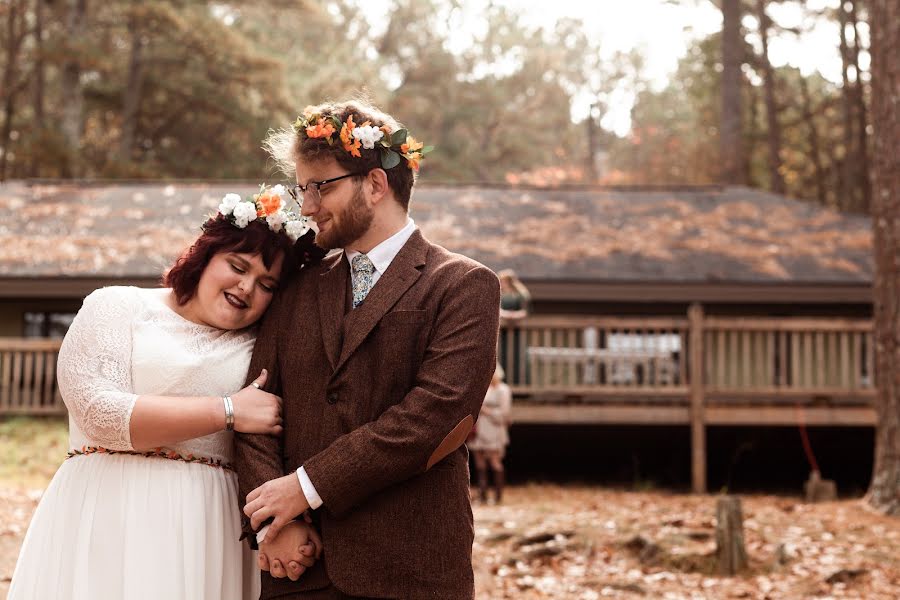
[{"x": 220, "y": 235}]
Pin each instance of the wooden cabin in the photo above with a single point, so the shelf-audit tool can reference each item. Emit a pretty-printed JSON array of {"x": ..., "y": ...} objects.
[{"x": 696, "y": 306}]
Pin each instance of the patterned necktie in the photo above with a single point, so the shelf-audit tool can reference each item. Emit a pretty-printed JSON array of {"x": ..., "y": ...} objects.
[{"x": 363, "y": 269}]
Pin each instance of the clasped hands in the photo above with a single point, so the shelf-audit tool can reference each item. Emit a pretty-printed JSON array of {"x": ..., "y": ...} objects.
[{"x": 289, "y": 547}]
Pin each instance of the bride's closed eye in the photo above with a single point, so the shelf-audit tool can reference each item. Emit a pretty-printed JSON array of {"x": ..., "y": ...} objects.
[{"x": 269, "y": 289}]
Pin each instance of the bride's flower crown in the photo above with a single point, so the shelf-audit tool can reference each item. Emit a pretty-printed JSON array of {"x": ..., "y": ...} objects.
[
  {"x": 269, "y": 205},
  {"x": 392, "y": 145}
]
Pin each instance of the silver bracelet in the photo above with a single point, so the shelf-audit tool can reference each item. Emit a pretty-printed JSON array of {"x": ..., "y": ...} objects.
[{"x": 229, "y": 413}]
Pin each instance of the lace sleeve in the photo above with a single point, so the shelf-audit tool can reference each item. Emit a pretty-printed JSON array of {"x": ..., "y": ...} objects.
[{"x": 94, "y": 368}]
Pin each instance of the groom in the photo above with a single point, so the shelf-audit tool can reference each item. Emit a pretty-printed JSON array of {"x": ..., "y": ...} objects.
[{"x": 382, "y": 354}]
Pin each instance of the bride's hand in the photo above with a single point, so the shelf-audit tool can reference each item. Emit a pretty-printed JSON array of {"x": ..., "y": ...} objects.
[
  {"x": 255, "y": 410},
  {"x": 292, "y": 552}
]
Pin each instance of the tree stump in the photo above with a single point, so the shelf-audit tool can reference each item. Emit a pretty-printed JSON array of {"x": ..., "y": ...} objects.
[
  {"x": 730, "y": 550},
  {"x": 819, "y": 490}
]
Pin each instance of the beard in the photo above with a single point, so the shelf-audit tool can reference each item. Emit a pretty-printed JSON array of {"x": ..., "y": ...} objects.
[{"x": 351, "y": 224}]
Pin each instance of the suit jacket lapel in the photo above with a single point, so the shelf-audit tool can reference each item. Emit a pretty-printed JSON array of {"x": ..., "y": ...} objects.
[
  {"x": 332, "y": 297},
  {"x": 393, "y": 283}
]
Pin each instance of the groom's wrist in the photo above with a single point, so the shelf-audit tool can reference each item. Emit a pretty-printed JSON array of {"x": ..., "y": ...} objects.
[{"x": 309, "y": 490}]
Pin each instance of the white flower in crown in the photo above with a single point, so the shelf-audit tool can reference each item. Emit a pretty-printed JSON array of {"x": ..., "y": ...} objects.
[
  {"x": 270, "y": 205},
  {"x": 368, "y": 135},
  {"x": 276, "y": 220},
  {"x": 228, "y": 204},
  {"x": 295, "y": 229},
  {"x": 280, "y": 191},
  {"x": 243, "y": 213}
]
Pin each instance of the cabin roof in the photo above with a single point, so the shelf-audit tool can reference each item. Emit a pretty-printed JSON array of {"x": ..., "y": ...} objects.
[{"x": 688, "y": 235}]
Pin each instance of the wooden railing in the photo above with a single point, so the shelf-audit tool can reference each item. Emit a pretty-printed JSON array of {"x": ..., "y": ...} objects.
[
  {"x": 650, "y": 357},
  {"x": 785, "y": 356},
  {"x": 577, "y": 355},
  {"x": 599, "y": 358},
  {"x": 28, "y": 377}
]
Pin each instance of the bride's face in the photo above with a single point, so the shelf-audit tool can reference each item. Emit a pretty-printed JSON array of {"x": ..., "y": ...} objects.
[{"x": 235, "y": 290}]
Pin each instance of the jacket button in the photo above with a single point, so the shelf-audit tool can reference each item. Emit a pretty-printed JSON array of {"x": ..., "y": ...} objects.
[{"x": 332, "y": 398}]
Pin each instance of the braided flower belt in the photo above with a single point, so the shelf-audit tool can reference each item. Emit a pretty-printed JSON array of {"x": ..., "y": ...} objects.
[{"x": 156, "y": 453}]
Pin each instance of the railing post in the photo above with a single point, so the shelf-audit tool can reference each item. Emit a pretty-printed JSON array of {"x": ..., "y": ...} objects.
[{"x": 698, "y": 427}]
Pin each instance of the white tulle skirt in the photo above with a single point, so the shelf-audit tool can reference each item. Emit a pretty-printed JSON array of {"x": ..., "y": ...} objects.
[{"x": 123, "y": 527}]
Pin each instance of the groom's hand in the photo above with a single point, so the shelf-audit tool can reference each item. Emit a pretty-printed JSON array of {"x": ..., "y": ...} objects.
[{"x": 281, "y": 499}]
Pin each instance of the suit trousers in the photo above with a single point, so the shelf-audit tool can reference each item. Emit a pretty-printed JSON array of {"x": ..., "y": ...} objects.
[{"x": 328, "y": 593}]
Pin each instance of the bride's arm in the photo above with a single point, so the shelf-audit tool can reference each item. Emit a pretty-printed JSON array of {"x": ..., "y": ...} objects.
[
  {"x": 162, "y": 420},
  {"x": 94, "y": 374},
  {"x": 94, "y": 368}
]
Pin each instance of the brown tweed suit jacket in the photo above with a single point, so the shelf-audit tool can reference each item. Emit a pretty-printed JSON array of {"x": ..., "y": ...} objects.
[{"x": 378, "y": 401}]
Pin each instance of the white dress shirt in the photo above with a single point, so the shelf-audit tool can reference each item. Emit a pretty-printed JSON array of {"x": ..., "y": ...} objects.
[{"x": 381, "y": 256}]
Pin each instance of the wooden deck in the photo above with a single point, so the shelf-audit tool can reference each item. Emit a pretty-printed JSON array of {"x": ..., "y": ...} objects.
[{"x": 695, "y": 371}]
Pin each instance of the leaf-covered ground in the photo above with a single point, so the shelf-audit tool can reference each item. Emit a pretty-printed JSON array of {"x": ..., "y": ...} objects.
[
  {"x": 583, "y": 543},
  {"x": 548, "y": 541}
]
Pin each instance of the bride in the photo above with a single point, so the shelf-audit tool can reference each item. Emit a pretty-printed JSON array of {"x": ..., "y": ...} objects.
[{"x": 145, "y": 507}]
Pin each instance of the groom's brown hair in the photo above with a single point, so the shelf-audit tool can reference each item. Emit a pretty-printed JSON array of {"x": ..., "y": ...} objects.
[{"x": 286, "y": 147}]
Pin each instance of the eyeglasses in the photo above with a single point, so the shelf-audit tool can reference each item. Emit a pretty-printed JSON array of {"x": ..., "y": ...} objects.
[{"x": 312, "y": 190}]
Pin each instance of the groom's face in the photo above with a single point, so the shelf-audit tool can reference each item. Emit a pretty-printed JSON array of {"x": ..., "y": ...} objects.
[{"x": 340, "y": 208}]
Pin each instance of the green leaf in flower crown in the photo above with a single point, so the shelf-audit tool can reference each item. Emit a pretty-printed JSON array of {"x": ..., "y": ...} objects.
[
  {"x": 385, "y": 142},
  {"x": 399, "y": 137},
  {"x": 426, "y": 149},
  {"x": 389, "y": 159},
  {"x": 336, "y": 122}
]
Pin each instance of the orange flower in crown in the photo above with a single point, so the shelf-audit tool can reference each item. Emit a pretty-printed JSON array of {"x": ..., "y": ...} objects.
[
  {"x": 351, "y": 144},
  {"x": 412, "y": 144},
  {"x": 321, "y": 129},
  {"x": 393, "y": 146},
  {"x": 269, "y": 203},
  {"x": 412, "y": 152}
]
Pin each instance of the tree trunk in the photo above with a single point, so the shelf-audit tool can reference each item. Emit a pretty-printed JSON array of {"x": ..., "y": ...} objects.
[
  {"x": 753, "y": 135},
  {"x": 730, "y": 131},
  {"x": 862, "y": 118},
  {"x": 9, "y": 106},
  {"x": 590, "y": 165},
  {"x": 131, "y": 97},
  {"x": 776, "y": 181},
  {"x": 813, "y": 138},
  {"x": 72, "y": 90},
  {"x": 10, "y": 89},
  {"x": 39, "y": 79},
  {"x": 730, "y": 550},
  {"x": 848, "y": 162},
  {"x": 834, "y": 193},
  {"x": 884, "y": 20}
]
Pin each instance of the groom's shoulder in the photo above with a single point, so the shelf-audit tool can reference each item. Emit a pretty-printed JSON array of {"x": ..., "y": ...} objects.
[
  {"x": 454, "y": 273},
  {"x": 452, "y": 263}
]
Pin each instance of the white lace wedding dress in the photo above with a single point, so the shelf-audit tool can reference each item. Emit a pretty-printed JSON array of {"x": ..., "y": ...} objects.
[{"x": 122, "y": 526}]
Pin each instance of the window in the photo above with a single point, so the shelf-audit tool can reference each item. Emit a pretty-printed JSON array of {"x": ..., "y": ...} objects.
[{"x": 47, "y": 324}]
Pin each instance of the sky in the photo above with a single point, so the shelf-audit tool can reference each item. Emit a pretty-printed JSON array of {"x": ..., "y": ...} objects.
[{"x": 663, "y": 30}]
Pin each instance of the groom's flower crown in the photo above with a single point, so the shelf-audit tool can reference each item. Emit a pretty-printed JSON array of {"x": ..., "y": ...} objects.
[
  {"x": 269, "y": 205},
  {"x": 392, "y": 145}
]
